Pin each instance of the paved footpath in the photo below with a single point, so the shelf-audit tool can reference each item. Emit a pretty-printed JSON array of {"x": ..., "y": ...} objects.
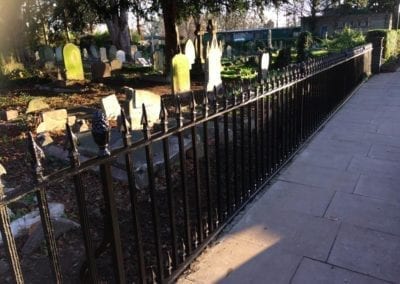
[{"x": 333, "y": 215}]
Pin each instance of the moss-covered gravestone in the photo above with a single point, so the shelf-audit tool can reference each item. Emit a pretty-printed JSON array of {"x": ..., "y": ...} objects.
[
  {"x": 73, "y": 62},
  {"x": 180, "y": 74}
]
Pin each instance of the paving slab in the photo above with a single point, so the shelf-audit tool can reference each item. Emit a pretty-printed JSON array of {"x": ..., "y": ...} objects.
[
  {"x": 323, "y": 159},
  {"x": 321, "y": 177},
  {"x": 367, "y": 251},
  {"x": 370, "y": 166},
  {"x": 385, "y": 152},
  {"x": 293, "y": 232},
  {"x": 298, "y": 198},
  {"x": 365, "y": 212},
  {"x": 252, "y": 264},
  {"x": 314, "y": 272},
  {"x": 386, "y": 189},
  {"x": 321, "y": 144}
]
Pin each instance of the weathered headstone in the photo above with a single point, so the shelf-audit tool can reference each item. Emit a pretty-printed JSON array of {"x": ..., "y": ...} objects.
[
  {"x": 133, "y": 106},
  {"x": 103, "y": 54},
  {"x": 59, "y": 55},
  {"x": 143, "y": 62},
  {"x": 180, "y": 74},
  {"x": 53, "y": 120},
  {"x": 100, "y": 70},
  {"x": 158, "y": 60},
  {"x": 280, "y": 44},
  {"x": 138, "y": 54},
  {"x": 111, "y": 107},
  {"x": 190, "y": 52},
  {"x": 73, "y": 62},
  {"x": 112, "y": 52},
  {"x": 37, "y": 55},
  {"x": 36, "y": 105},
  {"x": 133, "y": 50},
  {"x": 116, "y": 64},
  {"x": 47, "y": 54},
  {"x": 121, "y": 56},
  {"x": 213, "y": 62},
  {"x": 93, "y": 51},
  {"x": 8, "y": 115},
  {"x": 229, "y": 51},
  {"x": 269, "y": 40},
  {"x": 264, "y": 65},
  {"x": 85, "y": 54}
]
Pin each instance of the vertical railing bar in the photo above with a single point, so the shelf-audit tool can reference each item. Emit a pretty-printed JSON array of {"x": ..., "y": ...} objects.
[
  {"x": 153, "y": 197},
  {"x": 256, "y": 142},
  {"x": 82, "y": 208},
  {"x": 196, "y": 170},
  {"x": 249, "y": 146},
  {"x": 242, "y": 153},
  {"x": 8, "y": 239},
  {"x": 227, "y": 172},
  {"x": 129, "y": 164},
  {"x": 235, "y": 159},
  {"x": 48, "y": 230}
]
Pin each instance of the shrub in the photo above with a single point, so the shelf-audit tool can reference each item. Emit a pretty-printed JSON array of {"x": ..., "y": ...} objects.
[
  {"x": 390, "y": 46},
  {"x": 345, "y": 39},
  {"x": 304, "y": 43},
  {"x": 284, "y": 58},
  {"x": 102, "y": 39}
]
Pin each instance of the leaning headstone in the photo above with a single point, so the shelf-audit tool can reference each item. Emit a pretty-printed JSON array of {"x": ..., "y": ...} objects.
[
  {"x": 190, "y": 51},
  {"x": 73, "y": 62},
  {"x": 116, "y": 64},
  {"x": 264, "y": 65},
  {"x": 112, "y": 52},
  {"x": 111, "y": 107},
  {"x": 59, "y": 55},
  {"x": 37, "y": 55},
  {"x": 103, "y": 54},
  {"x": 36, "y": 105},
  {"x": 143, "y": 62},
  {"x": 93, "y": 52},
  {"x": 180, "y": 74},
  {"x": 121, "y": 56},
  {"x": 229, "y": 51},
  {"x": 100, "y": 70},
  {"x": 213, "y": 64}
]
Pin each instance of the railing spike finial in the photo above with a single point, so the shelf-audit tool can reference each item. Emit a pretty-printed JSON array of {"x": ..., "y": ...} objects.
[
  {"x": 193, "y": 106},
  {"x": 169, "y": 263},
  {"x": 145, "y": 123},
  {"x": 164, "y": 116},
  {"x": 183, "y": 250},
  {"x": 125, "y": 128},
  {"x": 206, "y": 228},
  {"x": 101, "y": 133},
  {"x": 37, "y": 155},
  {"x": 196, "y": 239},
  {"x": 2, "y": 172},
  {"x": 72, "y": 146},
  {"x": 216, "y": 104},
  {"x": 179, "y": 115},
  {"x": 205, "y": 104}
]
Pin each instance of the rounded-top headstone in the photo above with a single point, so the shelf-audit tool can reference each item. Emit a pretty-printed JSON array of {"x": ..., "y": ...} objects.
[
  {"x": 121, "y": 56},
  {"x": 73, "y": 62},
  {"x": 190, "y": 51}
]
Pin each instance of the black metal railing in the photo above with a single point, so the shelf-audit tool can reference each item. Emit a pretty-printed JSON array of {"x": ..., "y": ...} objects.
[{"x": 217, "y": 155}]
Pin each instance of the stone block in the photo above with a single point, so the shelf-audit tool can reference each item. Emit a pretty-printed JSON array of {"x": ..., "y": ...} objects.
[
  {"x": 100, "y": 70},
  {"x": 116, "y": 64},
  {"x": 59, "y": 114},
  {"x": 8, "y": 115},
  {"x": 111, "y": 107},
  {"x": 37, "y": 105}
]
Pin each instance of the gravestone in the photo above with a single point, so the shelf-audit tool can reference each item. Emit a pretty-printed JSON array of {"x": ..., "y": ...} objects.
[
  {"x": 264, "y": 65},
  {"x": 121, "y": 56},
  {"x": 112, "y": 52},
  {"x": 46, "y": 54},
  {"x": 103, "y": 54},
  {"x": 59, "y": 55},
  {"x": 94, "y": 52},
  {"x": 138, "y": 54},
  {"x": 111, "y": 107},
  {"x": 85, "y": 54},
  {"x": 133, "y": 107},
  {"x": 280, "y": 44},
  {"x": 180, "y": 74},
  {"x": 158, "y": 60},
  {"x": 190, "y": 52},
  {"x": 73, "y": 62},
  {"x": 133, "y": 50},
  {"x": 213, "y": 63},
  {"x": 100, "y": 70},
  {"x": 36, "y": 105},
  {"x": 143, "y": 62},
  {"x": 229, "y": 51},
  {"x": 269, "y": 40},
  {"x": 116, "y": 64},
  {"x": 52, "y": 120}
]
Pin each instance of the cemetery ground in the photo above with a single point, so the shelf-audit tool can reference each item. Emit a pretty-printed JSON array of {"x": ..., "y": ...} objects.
[{"x": 15, "y": 158}]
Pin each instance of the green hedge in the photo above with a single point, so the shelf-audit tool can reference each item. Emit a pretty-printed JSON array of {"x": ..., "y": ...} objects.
[{"x": 391, "y": 42}]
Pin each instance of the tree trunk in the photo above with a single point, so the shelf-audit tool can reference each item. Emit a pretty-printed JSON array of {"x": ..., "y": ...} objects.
[
  {"x": 171, "y": 45},
  {"x": 119, "y": 32}
]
